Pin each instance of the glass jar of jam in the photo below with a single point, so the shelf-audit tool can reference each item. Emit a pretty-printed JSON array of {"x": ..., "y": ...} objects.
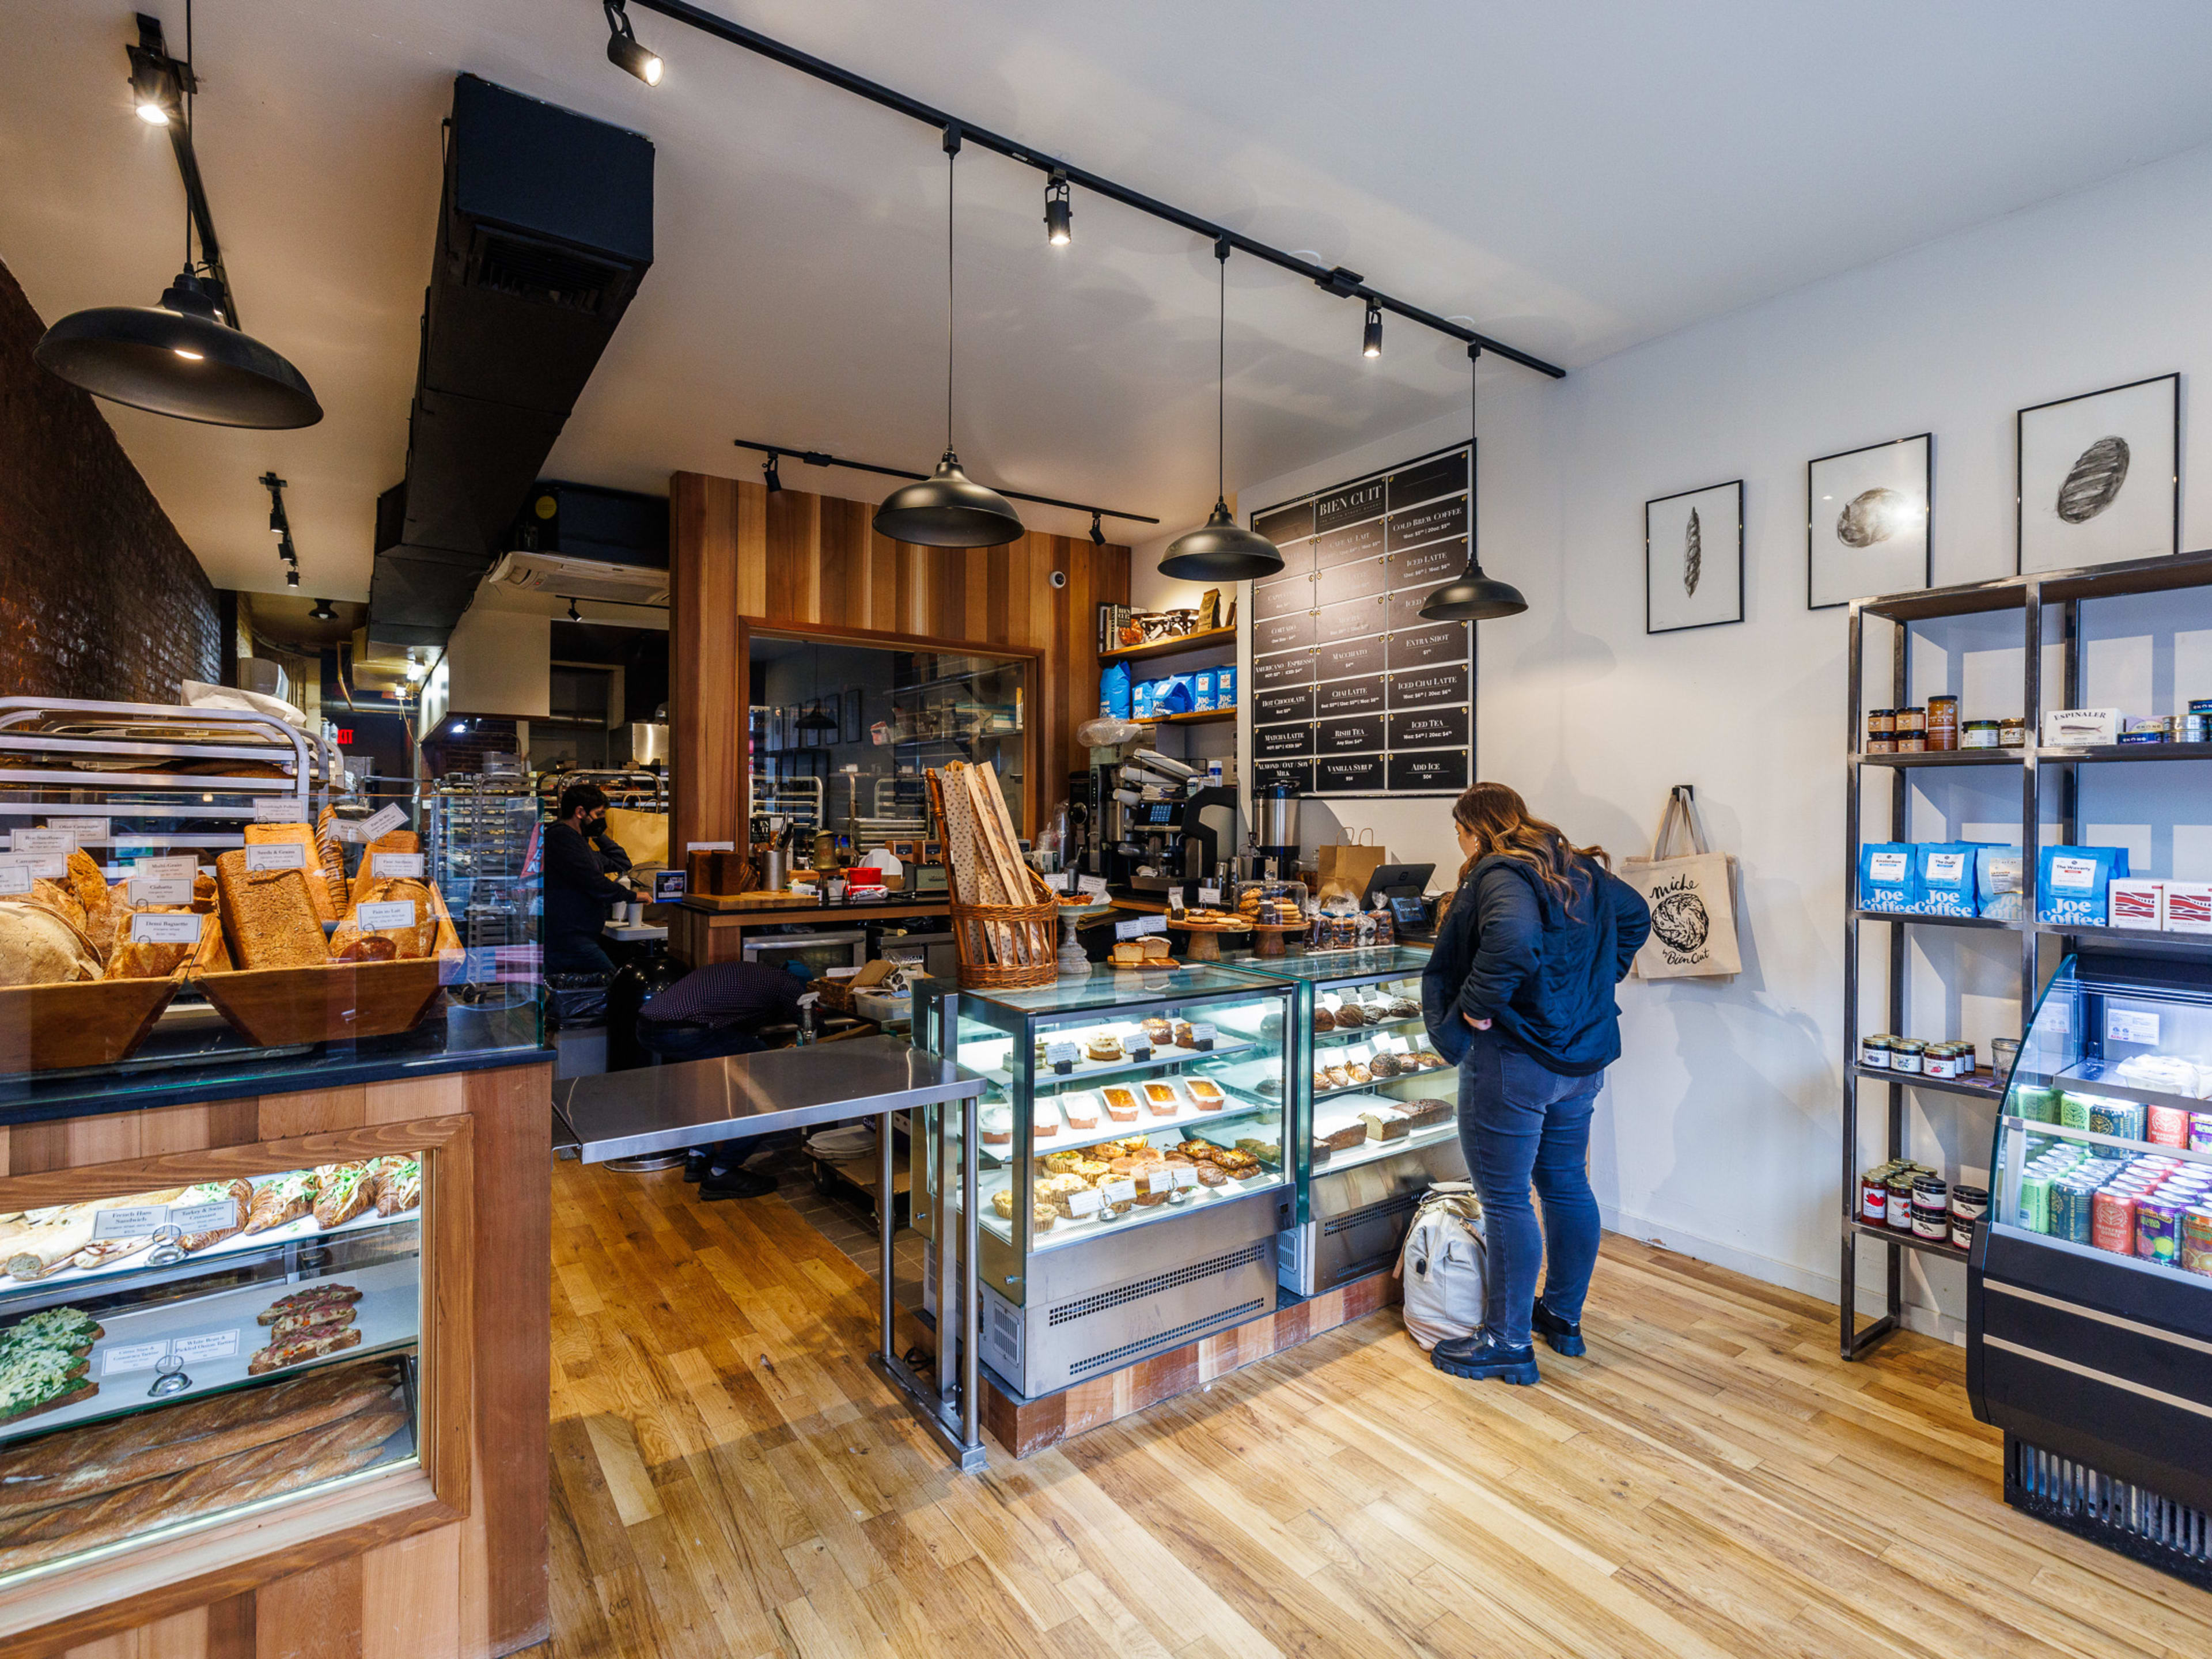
[
  {"x": 1896, "y": 1208},
  {"x": 1981, "y": 734},
  {"x": 2012, "y": 734},
  {"x": 1882, "y": 723},
  {"x": 1910, "y": 719},
  {"x": 1874, "y": 1052},
  {"x": 1911, "y": 742},
  {"x": 1943, "y": 723},
  {"x": 1906, "y": 1055}
]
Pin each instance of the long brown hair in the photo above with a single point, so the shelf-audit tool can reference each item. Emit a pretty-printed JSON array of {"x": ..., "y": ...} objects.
[{"x": 1500, "y": 820}]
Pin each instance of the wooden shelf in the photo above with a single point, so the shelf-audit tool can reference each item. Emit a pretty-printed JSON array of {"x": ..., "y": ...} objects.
[
  {"x": 1171, "y": 647},
  {"x": 1196, "y": 717}
]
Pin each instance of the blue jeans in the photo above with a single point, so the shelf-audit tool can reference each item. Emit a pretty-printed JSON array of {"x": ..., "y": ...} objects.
[{"x": 1519, "y": 1121}]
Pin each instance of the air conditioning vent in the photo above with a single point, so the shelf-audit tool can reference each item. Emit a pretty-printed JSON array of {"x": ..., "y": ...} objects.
[
  {"x": 535, "y": 270},
  {"x": 579, "y": 579}
]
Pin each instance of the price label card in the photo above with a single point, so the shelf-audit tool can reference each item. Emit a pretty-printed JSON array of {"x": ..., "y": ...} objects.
[
  {"x": 1201, "y": 1037},
  {"x": 52, "y": 867},
  {"x": 208, "y": 1345},
  {"x": 1209, "y": 897},
  {"x": 1160, "y": 1181},
  {"x": 1084, "y": 1205},
  {"x": 44, "y": 840},
  {"x": 398, "y": 913},
  {"x": 137, "y": 1221},
  {"x": 1119, "y": 1192},
  {"x": 345, "y": 829},
  {"x": 167, "y": 868},
  {"x": 1094, "y": 887},
  {"x": 383, "y": 823},
  {"x": 165, "y": 927},
  {"x": 216, "y": 1216},
  {"x": 710, "y": 847},
  {"x": 2130, "y": 1026},
  {"x": 1174, "y": 898},
  {"x": 87, "y": 832},
  {"x": 396, "y": 864},
  {"x": 160, "y": 889},
  {"x": 15, "y": 878},
  {"x": 131, "y": 1357},
  {"x": 1185, "y": 1177},
  {"x": 279, "y": 808},
  {"x": 1140, "y": 926},
  {"x": 1056, "y": 1053},
  {"x": 277, "y": 855}
]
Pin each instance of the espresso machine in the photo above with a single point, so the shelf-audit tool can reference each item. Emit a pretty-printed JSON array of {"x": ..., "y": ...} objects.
[
  {"x": 1152, "y": 830},
  {"x": 1274, "y": 851}
]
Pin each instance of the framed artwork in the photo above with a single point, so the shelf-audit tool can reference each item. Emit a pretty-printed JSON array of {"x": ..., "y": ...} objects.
[
  {"x": 2099, "y": 477},
  {"x": 1693, "y": 559},
  {"x": 1869, "y": 515},
  {"x": 852, "y": 730}
]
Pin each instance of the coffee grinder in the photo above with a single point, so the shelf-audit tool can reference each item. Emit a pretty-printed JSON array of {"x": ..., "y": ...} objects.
[{"x": 1275, "y": 855}]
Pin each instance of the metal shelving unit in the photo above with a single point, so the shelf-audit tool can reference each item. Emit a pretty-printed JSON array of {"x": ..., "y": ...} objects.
[{"x": 2048, "y": 777}]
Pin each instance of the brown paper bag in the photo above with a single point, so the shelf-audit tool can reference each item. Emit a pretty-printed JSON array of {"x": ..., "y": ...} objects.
[
  {"x": 1692, "y": 899},
  {"x": 1344, "y": 870}
]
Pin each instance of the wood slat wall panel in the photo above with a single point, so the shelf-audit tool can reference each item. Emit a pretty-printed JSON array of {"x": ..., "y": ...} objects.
[{"x": 792, "y": 557}]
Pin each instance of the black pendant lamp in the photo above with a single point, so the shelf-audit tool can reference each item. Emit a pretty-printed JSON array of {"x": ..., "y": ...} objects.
[
  {"x": 1219, "y": 550},
  {"x": 948, "y": 508},
  {"x": 182, "y": 357},
  {"x": 1471, "y": 596}
]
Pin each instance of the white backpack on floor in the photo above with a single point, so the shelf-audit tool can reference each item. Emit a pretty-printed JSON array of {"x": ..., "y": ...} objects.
[{"x": 1444, "y": 1265}]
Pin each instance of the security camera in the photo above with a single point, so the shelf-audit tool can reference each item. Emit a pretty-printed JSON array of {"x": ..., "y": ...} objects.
[{"x": 1060, "y": 579}]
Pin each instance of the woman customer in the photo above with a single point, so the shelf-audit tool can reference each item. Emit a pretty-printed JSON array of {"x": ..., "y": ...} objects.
[{"x": 1519, "y": 992}]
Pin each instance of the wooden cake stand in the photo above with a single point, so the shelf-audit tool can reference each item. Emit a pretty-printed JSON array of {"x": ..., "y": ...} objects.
[{"x": 1206, "y": 938}]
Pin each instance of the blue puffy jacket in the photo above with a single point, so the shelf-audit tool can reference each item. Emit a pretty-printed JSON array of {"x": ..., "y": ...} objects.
[{"x": 1541, "y": 972}]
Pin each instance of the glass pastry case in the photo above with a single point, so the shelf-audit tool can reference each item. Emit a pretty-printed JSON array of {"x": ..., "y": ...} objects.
[
  {"x": 2090, "y": 1281},
  {"x": 1377, "y": 1110},
  {"x": 1132, "y": 1156},
  {"x": 174, "y": 1358}
]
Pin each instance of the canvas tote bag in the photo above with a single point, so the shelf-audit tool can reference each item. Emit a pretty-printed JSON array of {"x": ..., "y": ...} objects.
[{"x": 1692, "y": 894}]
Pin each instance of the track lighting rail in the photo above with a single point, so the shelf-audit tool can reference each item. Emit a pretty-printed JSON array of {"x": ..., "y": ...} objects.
[
  {"x": 816, "y": 458},
  {"x": 1337, "y": 280}
]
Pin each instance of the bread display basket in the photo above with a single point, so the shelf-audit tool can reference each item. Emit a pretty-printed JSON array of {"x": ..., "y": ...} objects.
[
  {"x": 999, "y": 946},
  {"x": 331, "y": 1002}
]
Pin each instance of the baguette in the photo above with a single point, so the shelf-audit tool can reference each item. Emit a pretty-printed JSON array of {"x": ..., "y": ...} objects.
[
  {"x": 311, "y": 1343},
  {"x": 342, "y": 1191},
  {"x": 301, "y": 835},
  {"x": 109, "y": 1458},
  {"x": 281, "y": 1198},
  {"x": 269, "y": 915}
]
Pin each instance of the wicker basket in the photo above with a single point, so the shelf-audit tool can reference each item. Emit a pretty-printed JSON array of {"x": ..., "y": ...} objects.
[{"x": 1018, "y": 930}]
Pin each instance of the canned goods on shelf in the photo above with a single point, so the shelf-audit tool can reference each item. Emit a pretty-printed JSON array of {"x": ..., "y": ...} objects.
[
  {"x": 1981, "y": 734},
  {"x": 2158, "y": 1231},
  {"x": 1873, "y": 1051}
]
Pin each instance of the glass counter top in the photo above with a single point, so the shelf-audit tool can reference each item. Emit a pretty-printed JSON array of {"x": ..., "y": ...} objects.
[
  {"x": 1106, "y": 987},
  {"x": 1327, "y": 967}
]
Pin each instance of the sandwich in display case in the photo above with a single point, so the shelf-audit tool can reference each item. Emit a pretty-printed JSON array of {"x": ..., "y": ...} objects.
[
  {"x": 1132, "y": 1154},
  {"x": 2089, "y": 1336},
  {"x": 1376, "y": 1110}
]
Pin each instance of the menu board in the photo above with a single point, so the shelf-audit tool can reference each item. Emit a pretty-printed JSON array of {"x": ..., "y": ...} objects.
[{"x": 1351, "y": 693}]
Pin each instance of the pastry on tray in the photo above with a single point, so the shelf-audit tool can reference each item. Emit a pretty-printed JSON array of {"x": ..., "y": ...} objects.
[
  {"x": 1121, "y": 1104},
  {"x": 1211, "y": 1173},
  {"x": 1161, "y": 1098},
  {"x": 280, "y": 1199},
  {"x": 1204, "y": 1094},
  {"x": 1351, "y": 1014},
  {"x": 1183, "y": 1037},
  {"x": 1080, "y": 1109},
  {"x": 1093, "y": 1170},
  {"x": 1357, "y": 1072},
  {"x": 1339, "y": 1076},
  {"x": 1160, "y": 1030},
  {"x": 1324, "y": 1020},
  {"x": 1103, "y": 1046}
]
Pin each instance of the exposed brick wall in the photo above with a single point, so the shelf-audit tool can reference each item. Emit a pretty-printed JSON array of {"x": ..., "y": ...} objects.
[{"x": 99, "y": 595}]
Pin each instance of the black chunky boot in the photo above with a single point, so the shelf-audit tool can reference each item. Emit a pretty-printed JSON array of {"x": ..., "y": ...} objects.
[
  {"x": 1566, "y": 1336},
  {"x": 1482, "y": 1356}
]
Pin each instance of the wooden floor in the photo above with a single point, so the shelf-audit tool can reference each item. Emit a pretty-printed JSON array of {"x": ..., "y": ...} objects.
[{"x": 728, "y": 1478}]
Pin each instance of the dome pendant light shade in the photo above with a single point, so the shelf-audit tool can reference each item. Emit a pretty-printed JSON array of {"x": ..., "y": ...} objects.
[
  {"x": 1217, "y": 550},
  {"x": 948, "y": 509},
  {"x": 1471, "y": 596},
  {"x": 179, "y": 358}
]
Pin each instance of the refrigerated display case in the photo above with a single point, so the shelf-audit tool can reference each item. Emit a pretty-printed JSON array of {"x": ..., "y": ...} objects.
[
  {"x": 2089, "y": 1335},
  {"x": 1377, "y": 1113},
  {"x": 1132, "y": 1142}
]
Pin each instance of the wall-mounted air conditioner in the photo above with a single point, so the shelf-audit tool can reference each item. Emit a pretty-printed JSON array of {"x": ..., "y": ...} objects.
[{"x": 579, "y": 579}]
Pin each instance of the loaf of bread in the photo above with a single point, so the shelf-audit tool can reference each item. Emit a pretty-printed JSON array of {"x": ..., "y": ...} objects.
[
  {"x": 137, "y": 959},
  {"x": 39, "y": 945},
  {"x": 91, "y": 889},
  {"x": 268, "y": 915},
  {"x": 332, "y": 855},
  {"x": 397, "y": 840},
  {"x": 301, "y": 835},
  {"x": 418, "y": 939}
]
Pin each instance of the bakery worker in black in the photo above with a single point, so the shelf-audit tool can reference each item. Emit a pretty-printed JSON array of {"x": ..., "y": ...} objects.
[{"x": 582, "y": 865}]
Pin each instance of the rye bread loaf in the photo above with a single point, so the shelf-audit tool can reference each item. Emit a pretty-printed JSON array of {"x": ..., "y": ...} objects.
[
  {"x": 301, "y": 835},
  {"x": 268, "y": 915}
]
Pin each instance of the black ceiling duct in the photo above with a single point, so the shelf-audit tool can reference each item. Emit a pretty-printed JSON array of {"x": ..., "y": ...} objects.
[{"x": 544, "y": 230}]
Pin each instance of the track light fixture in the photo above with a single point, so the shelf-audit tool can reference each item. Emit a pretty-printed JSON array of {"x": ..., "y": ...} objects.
[
  {"x": 322, "y": 612},
  {"x": 185, "y": 356},
  {"x": 574, "y": 615},
  {"x": 1371, "y": 346},
  {"x": 1219, "y": 550},
  {"x": 1059, "y": 226},
  {"x": 1097, "y": 532},
  {"x": 769, "y": 471},
  {"x": 292, "y": 577},
  {"x": 278, "y": 524},
  {"x": 623, "y": 50},
  {"x": 947, "y": 509},
  {"x": 1471, "y": 596}
]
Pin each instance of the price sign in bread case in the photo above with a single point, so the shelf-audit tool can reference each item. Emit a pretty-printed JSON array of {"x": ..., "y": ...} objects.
[
  {"x": 383, "y": 823},
  {"x": 167, "y": 868},
  {"x": 1140, "y": 926},
  {"x": 1372, "y": 550},
  {"x": 400, "y": 913},
  {"x": 1160, "y": 1181},
  {"x": 165, "y": 927},
  {"x": 396, "y": 864},
  {"x": 280, "y": 809},
  {"x": 15, "y": 878},
  {"x": 276, "y": 855},
  {"x": 48, "y": 840},
  {"x": 1085, "y": 1204},
  {"x": 1119, "y": 1192},
  {"x": 160, "y": 889},
  {"x": 85, "y": 832}
]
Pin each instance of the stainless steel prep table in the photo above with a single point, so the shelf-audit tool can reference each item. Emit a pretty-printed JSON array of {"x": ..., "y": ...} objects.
[{"x": 659, "y": 1108}]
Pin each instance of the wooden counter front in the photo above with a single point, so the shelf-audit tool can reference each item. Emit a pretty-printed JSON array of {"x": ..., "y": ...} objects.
[
  {"x": 449, "y": 1558},
  {"x": 699, "y": 935}
]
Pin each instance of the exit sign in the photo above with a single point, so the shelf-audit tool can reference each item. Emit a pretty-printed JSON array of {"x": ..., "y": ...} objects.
[{"x": 345, "y": 736}]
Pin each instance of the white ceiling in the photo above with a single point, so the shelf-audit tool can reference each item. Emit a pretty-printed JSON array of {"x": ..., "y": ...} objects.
[{"x": 1576, "y": 179}]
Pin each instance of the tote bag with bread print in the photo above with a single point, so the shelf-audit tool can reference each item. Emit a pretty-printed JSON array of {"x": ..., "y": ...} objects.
[{"x": 1692, "y": 893}]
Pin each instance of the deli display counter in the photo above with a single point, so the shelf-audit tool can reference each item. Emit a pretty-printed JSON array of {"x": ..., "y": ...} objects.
[
  {"x": 1376, "y": 1110},
  {"x": 1132, "y": 1135},
  {"x": 2089, "y": 1334}
]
